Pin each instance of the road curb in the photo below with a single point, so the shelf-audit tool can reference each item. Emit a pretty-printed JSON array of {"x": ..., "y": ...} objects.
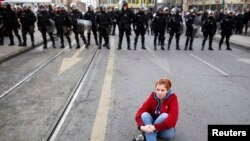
[{"x": 18, "y": 52}]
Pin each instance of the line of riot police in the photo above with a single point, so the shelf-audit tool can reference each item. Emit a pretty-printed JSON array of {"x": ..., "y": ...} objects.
[{"x": 103, "y": 22}]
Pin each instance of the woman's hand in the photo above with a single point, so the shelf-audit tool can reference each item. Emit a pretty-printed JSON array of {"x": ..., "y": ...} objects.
[{"x": 147, "y": 128}]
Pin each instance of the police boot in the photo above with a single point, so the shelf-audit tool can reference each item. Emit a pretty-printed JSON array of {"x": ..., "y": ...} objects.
[
  {"x": 70, "y": 45},
  {"x": 100, "y": 43},
  {"x": 1, "y": 41},
  {"x": 155, "y": 46},
  {"x": 203, "y": 45},
  {"x": 86, "y": 46},
  {"x": 20, "y": 41},
  {"x": 32, "y": 44},
  {"x": 210, "y": 45},
  {"x": 78, "y": 46},
  {"x": 220, "y": 45},
  {"x": 177, "y": 45},
  {"x": 62, "y": 46},
  {"x": 135, "y": 42},
  {"x": 24, "y": 44},
  {"x": 53, "y": 44},
  {"x": 191, "y": 45},
  {"x": 129, "y": 46},
  {"x": 45, "y": 46},
  {"x": 88, "y": 38},
  {"x": 162, "y": 47},
  {"x": 108, "y": 46},
  {"x": 228, "y": 48},
  {"x": 143, "y": 42}
]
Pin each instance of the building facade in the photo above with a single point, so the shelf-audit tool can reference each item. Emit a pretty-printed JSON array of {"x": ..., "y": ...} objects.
[{"x": 233, "y": 5}]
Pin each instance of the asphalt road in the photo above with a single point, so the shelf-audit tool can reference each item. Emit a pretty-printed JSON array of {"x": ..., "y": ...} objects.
[{"x": 212, "y": 88}]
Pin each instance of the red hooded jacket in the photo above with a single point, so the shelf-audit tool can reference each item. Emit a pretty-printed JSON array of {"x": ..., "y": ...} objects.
[{"x": 154, "y": 108}]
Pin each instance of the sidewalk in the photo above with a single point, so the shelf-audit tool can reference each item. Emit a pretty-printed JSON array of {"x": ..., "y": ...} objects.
[{"x": 8, "y": 52}]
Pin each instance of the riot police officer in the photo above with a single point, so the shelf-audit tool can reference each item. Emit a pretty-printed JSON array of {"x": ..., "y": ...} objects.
[
  {"x": 10, "y": 22},
  {"x": 226, "y": 29},
  {"x": 159, "y": 25},
  {"x": 63, "y": 24},
  {"x": 91, "y": 16},
  {"x": 115, "y": 20},
  {"x": 209, "y": 29},
  {"x": 140, "y": 26},
  {"x": 1, "y": 25},
  {"x": 104, "y": 22},
  {"x": 175, "y": 27},
  {"x": 27, "y": 19},
  {"x": 126, "y": 18},
  {"x": 45, "y": 25},
  {"x": 76, "y": 14},
  {"x": 189, "y": 29}
]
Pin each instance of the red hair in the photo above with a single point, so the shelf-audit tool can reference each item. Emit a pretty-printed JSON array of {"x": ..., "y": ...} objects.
[{"x": 164, "y": 81}]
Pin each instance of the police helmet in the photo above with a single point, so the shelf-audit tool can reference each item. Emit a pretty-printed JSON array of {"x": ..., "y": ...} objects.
[
  {"x": 230, "y": 12},
  {"x": 194, "y": 10},
  {"x": 41, "y": 6},
  {"x": 73, "y": 5},
  {"x": 141, "y": 8},
  {"x": 25, "y": 6},
  {"x": 165, "y": 9},
  {"x": 123, "y": 3},
  {"x": 159, "y": 8},
  {"x": 210, "y": 12},
  {"x": 103, "y": 7},
  {"x": 90, "y": 7},
  {"x": 61, "y": 6},
  {"x": 174, "y": 10}
]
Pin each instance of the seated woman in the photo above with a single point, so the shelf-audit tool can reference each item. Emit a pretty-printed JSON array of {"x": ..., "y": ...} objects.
[{"x": 158, "y": 115}]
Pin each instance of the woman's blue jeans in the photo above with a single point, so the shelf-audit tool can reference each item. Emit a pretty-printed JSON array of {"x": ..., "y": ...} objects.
[{"x": 165, "y": 134}]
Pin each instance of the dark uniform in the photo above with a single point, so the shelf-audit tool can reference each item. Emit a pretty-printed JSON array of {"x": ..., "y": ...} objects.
[
  {"x": 75, "y": 14},
  {"x": 115, "y": 20},
  {"x": 174, "y": 26},
  {"x": 209, "y": 29},
  {"x": 226, "y": 30},
  {"x": 189, "y": 31},
  {"x": 140, "y": 26},
  {"x": 63, "y": 25},
  {"x": 1, "y": 26},
  {"x": 239, "y": 23},
  {"x": 158, "y": 25},
  {"x": 104, "y": 22},
  {"x": 125, "y": 19},
  {"x": 10, "y": 22},
  {"x": 91, "y": 16},
  {"x": 28, "y": 19},
  {"x": 44, "y": 22}
]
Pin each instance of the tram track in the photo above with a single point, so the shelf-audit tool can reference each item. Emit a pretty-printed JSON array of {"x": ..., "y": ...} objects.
[
  {"x": 56, "y": 126},
  {"x": 31, "y": 74}
]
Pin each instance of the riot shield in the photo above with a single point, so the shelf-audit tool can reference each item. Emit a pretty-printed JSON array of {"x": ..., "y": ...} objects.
[{"x": 84, "y": 25}]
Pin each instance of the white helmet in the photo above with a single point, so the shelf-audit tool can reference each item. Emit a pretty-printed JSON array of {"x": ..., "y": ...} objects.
[
  {"x": 165, "y": 9},
  {"x": 25, "y": 5},
  {"x": 73, "y": 5}
]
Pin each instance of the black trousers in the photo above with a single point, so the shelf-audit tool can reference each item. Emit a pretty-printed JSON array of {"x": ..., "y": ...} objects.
[{"x": 127, "y": 31}]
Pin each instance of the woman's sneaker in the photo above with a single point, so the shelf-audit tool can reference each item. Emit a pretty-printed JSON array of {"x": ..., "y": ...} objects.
[{"x": 139, "y": 137}]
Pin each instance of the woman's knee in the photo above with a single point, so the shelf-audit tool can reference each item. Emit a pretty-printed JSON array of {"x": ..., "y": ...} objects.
[{"x": 145, "y": 115}]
